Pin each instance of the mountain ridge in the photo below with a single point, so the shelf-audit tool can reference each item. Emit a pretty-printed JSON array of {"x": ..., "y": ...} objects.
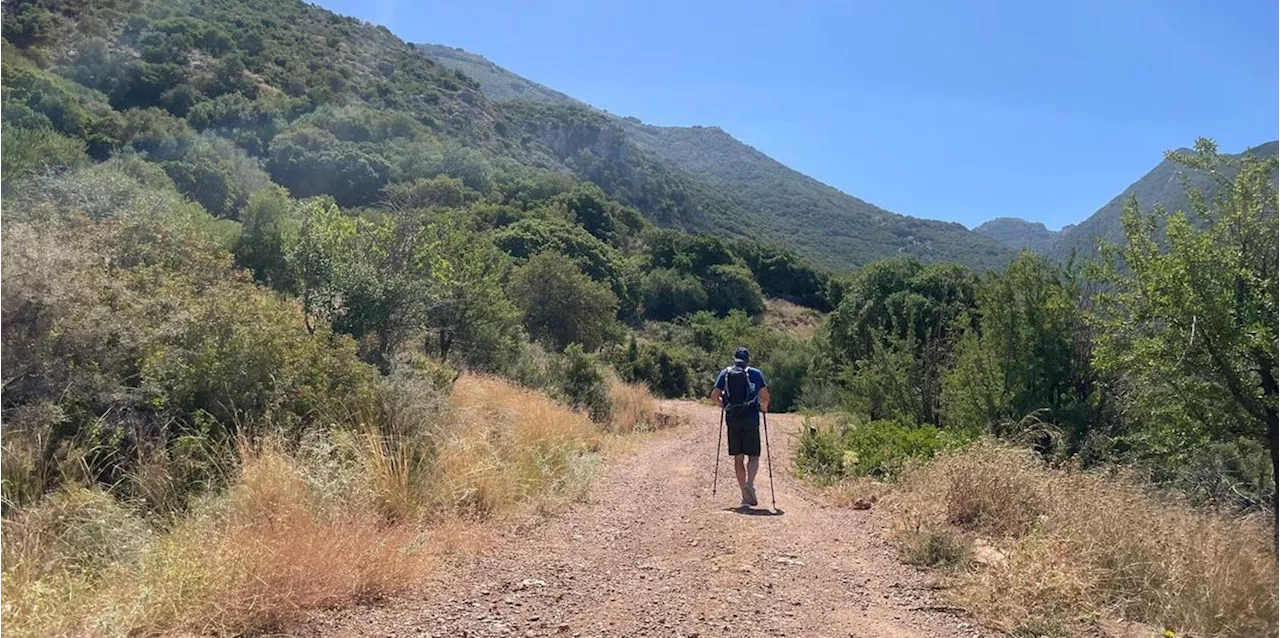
[{"x": 826, "y": 225}]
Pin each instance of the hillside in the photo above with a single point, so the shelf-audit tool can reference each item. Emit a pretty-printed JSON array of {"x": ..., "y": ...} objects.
[
  {"x": 1165, "y": 185},
  {"x": 1019, "y": 234},
  {"x": 739, "y": 186}
]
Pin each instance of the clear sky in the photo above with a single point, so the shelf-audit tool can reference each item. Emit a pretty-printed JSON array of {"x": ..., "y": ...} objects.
[{"x": 962, "y": 111}]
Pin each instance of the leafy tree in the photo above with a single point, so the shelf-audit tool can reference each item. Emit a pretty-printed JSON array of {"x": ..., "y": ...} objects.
[
  {"x": 590, "y": 208},
  {"x": 368, "y": 279},
  {"x": 269, "y": 231},
  {"x": 530, "y": 236},
  {"x": 732, "y": 288},
  {"x": 440, "y": 190},
  {"x": 1033, "y": 330},
  {"x": 1193, "y": 324},
  {"x": 561, "y": 304},
  {"x": 310, "y": 161},
  {"x": 470, "y": 316},
  {"x": 582, "y": 383},
  {"x": 667, "y": 294}
]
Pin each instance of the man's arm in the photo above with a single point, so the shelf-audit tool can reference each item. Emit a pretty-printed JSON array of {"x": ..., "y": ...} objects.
[
  {"x": 764, "y": 399},
  {"x": 715, "y": 395}
]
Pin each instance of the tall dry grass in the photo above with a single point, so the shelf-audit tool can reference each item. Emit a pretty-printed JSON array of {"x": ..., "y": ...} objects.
[
  {"x": 634, "y": 408},
  {"x": 1074, "y": 547},
  {"x": 506, "y": 445},
  {"x": 361, "y": 512}
]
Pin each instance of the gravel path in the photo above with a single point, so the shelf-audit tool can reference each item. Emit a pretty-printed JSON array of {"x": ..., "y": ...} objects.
[{"x": 652, "y": 553}]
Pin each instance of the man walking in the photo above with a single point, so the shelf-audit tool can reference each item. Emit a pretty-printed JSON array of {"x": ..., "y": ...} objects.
[{"x": 741, "y": 390}]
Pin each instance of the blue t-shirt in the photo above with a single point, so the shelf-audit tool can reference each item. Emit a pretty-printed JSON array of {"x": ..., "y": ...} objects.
[{"x": 756, "y": 377}]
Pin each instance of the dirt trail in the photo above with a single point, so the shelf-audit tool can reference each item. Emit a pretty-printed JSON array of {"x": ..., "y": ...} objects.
[{"x": 652, "y": 553}]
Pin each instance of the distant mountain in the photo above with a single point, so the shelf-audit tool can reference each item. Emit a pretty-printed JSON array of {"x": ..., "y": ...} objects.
[
  {"x": 736, "y": 188},
  {"x": 1019, "y": 234},
  {"x": 1165, "y": 185}
]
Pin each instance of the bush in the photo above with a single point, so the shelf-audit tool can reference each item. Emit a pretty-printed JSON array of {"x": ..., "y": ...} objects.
[
  {"x": 875, "y": 448},
  {"x": 663, "y": 367},
  {"x": 785, "y": 372},
  {"x": 37, "y": 151},
  {"x": 562, "y": 305},
  {"x": 732, "y": 288},
  {"x": 667, "y": 294},
  {"x": 582, "y": 384}
]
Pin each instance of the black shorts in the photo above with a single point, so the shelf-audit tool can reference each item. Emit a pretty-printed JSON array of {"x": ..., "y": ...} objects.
[{"x": 744, "y": 434}]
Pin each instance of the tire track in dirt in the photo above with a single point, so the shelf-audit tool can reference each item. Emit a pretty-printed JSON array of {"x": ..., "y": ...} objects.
[{"x": 652, "y": 553}]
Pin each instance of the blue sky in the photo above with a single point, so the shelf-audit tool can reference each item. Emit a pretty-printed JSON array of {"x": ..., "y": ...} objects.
[{"x": 962, "y": 111}]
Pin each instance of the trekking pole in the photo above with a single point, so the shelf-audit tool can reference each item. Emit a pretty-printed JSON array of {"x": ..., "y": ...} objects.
[
  {"x": 773, "y": 498},
  {"x": 715, "y": 478}
]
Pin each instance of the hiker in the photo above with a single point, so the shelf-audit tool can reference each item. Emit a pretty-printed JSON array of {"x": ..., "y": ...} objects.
[{"x": 741, "y": 390}]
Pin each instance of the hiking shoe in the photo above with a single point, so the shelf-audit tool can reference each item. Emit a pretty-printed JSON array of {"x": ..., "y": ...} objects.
[{"x": 749, "y": 491}]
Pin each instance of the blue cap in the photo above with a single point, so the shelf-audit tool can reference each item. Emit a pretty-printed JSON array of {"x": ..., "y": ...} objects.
[{"x": 741, "y": 355}]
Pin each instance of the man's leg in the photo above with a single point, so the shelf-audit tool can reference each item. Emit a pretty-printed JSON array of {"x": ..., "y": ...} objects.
[
  {"x": 741, "y": 471},
  {"x": 753, "y": 466}
]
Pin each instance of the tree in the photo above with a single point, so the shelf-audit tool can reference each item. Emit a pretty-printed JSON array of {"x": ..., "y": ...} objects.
[
  {"x": 267, "y": 232},
  {"x": 1192, "y": 323},
  {"x": 1027, "y": 354},
  {"x": 470, "y": 316},
  {"x": 561, "y": 304},
  {"x": 440, "y": 190},
  {"x": 732, "y": 288},
  {"x": 366, "y": 278},
  {"x": 667, "y": 294}
]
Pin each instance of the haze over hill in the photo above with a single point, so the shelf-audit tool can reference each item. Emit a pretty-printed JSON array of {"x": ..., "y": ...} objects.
[{"x": 789, "y": 208}]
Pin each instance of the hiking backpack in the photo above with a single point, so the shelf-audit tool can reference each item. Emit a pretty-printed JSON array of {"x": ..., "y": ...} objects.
[{"x": 739, "y": 391}]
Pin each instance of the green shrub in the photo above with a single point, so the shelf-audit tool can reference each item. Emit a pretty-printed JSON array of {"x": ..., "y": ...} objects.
[
  {"x": 667, "y": 294},
  {"x": 785, "y": 372},
  {"x": 882, "y": 447},
  {"x": 35, "y": 151},
  {"x": 820, "y": 452},
  {"x": 875, "y": 448},
  {"x": 666, "y": 368},
  {"x": 582, "y": 384}
]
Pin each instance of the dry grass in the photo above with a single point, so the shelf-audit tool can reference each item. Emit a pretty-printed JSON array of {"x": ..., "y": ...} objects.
[
  {"x": 793, "y": 319},
  {"x": 506, "y": 445},
  {"x": 1078, "y": 547},
  {"x": 252, "y": 559},
  {"x": 353, "y": 515},
  {"x": 634, "y": 408}
]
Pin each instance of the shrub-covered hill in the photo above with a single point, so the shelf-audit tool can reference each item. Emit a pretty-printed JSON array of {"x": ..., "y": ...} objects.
[
  {"x": 778, "y": 203},
  {"x": 1163, "y": 186}
]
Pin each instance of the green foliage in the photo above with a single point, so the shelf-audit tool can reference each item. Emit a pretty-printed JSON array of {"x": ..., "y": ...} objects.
[
  {"x": 582, "y": 383},
  {"x": 269, "y": 231},
  {"x": 424, "y": 192},
  {"x": 667, "y": 369},
  {"x": 894, "y": 328},
  {"x": 470, "y": 316},
  {"x": 873, "y": 448},
  {"x": 561, "y": 304},
  {"x": 310, "y": 161},
  {"x": 667, "y": 294},
  {"x": 40, "y": 150},
  {"x": 1193, "y": 327},
  {"x": 786, "y": 371},
  {"x": 530, "y": 236},
  {"x": 1031, "y": 356},
  {"x": 134, "y": 332},
  {"x": 732, "y": 288}
]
